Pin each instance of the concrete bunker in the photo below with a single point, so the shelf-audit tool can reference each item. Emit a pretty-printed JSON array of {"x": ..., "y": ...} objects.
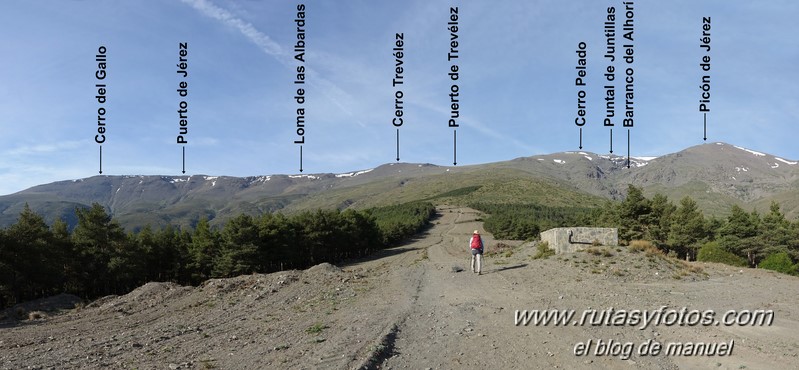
[{"x": 572, "y": 239}]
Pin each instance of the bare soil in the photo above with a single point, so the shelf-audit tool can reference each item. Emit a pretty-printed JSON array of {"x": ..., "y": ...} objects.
[{"x": 416, "y": 306}]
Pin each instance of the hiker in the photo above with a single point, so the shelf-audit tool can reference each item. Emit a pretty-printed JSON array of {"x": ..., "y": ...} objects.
[{"x": 476, "y": 245}]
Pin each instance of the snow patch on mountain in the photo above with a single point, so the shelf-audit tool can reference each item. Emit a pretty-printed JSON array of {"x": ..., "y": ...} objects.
[
  {"x": 260, "y": 179},
  {"x": 634, "y": 161},
  {"x": 312, "y": 177},
  {"x": 759, "y": 154},
  {"x": 639, "y": 161},
  {"x": 353, "y": 174}
]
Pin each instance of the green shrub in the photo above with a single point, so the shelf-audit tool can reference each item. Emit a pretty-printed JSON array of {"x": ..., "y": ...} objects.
[
  {"x": 713, "y": 252},
  {"x": 592, "y": 250},
  {"x": 779, "y": 262},
  {"x": 543, "y": 251},
  {"x": 644, "y": 246},
  {"x": 316, "y": 328}
]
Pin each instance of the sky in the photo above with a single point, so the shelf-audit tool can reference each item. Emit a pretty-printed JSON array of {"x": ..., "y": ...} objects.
[{"x": 516, "y": 83}]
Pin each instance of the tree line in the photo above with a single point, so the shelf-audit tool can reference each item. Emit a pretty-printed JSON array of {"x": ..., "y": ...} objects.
[
  {"x": 525, "y": 221},
  {"x": 99, "y": 257},
  {"x": 743, "y": 238}
]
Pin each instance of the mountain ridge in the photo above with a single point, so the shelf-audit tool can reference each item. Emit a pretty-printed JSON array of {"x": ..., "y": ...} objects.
[{"x": 717, "y": 175}]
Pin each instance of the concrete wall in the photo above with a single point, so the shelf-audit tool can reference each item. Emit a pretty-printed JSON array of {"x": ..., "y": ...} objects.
[{"x": 581, "y": 238}]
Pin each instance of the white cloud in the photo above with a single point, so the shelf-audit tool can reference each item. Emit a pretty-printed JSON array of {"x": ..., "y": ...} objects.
[
  {"x": 205, "y": 141},
  {"x": 42, "y": 148},
  {"x": 339, "y": 97},
  {"x": 258, "y": 38},
  {"x": 22, "y": 176}
]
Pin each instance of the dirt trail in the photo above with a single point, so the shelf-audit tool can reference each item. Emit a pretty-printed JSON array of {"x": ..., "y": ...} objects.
[
  {"x": 461, "y": 320},
  {"x": 406, "y": 307}
]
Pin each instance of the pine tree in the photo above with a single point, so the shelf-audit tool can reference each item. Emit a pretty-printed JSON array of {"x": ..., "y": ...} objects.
[
  {"x": 203, "y": 251},
  {"x": 739, "y": 224},
  {"x": 7, "y": 271},
  {"x": 714, "y": 226},
  {"x": 36, "y": 265},
  {"x": 278, "y": 242},
  {"x": 362, "y": 234},
  {"x": 610, "y": 215},
  {"x": 775, "y": 231},
  {"x": 739, "y": 234},
  {"x": 635, "y": 214},
  {"x": 793, "y": 240},
  {"x": 154, "y": 261},
  {"x": 688, "y": 229},
  {"x": 70, "y": 266},
  {"x": 662, "y": 211},
  {"x": 238, "y": 250},
  {"x": 99, "y": 239},
  {"x": 173, "y": 246}
]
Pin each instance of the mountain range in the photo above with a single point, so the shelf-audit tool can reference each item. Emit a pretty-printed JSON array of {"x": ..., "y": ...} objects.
[{"x": 716, "y": 175}]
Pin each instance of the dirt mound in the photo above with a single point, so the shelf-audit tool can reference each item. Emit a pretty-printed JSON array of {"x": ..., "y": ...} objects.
[
  {"x": 247, "y": 284},
  {"x": 49, "y": 304},
  {"x": 146, "y": 296},
  {"x": 99, "y": 302},
  {"x": 261, "y": 284},
  {"x": 324, "y": 273},
  {"x": 152, "y": 290},
  {"x": 323, "y": 268},
  {"x": 629, "y": 265}
]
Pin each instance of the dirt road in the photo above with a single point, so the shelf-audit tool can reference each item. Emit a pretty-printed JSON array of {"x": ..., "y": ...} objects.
[
  {"x": 407, "y": 307},
  {"x": 461, "y": 320}
]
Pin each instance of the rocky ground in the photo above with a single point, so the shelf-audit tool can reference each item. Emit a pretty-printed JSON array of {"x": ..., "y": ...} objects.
[{"x": 415, "y": 306}]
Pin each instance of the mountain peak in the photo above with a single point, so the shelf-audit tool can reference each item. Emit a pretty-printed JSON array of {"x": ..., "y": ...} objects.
[{"x": 739, "y": 153}]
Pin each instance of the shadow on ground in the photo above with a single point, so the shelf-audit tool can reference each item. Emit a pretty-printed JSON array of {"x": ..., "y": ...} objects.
[{"x": 506, "y": 268}]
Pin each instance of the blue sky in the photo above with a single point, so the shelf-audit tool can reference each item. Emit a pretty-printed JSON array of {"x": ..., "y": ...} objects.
[{"x": 516, "y": 87}]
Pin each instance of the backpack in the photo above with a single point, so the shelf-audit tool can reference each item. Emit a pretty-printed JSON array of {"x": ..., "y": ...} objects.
[{"x": 477, "y": 243}]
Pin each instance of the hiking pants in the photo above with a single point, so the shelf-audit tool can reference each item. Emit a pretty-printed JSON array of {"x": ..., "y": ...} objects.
[{"x": 477, "y": 255}]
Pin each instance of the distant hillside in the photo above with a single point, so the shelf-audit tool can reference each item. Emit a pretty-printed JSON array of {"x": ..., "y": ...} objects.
[
  {"x": 182, "y": 200},
  {"x": 716, "y": 175}
]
